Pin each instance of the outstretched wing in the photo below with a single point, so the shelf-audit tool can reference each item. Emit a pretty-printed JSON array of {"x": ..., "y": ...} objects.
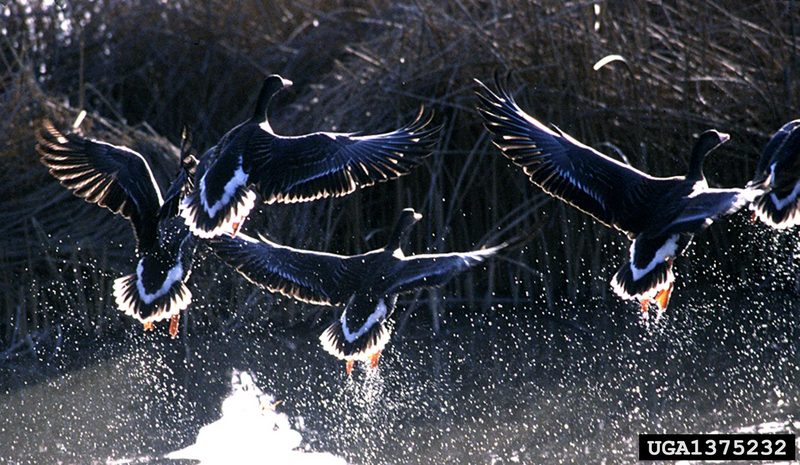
[
  {"x": 307, "y": 276},
  {"x": 432, "y": 270},
  {"x": 111, "y": 176},
  {"x": 703, "y": 207},
  {"x": 303, "y": 168},
  {"x": 564, "y": 167}
]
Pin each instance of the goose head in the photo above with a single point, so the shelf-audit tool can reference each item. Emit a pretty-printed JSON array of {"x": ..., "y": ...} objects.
[
  {"x": 408, "y": 218},
  {"x": 271, "y": 86},
  {"x": 708, "y": 141}
]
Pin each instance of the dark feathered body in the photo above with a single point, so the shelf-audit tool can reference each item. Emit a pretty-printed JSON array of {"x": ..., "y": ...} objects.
[{"x": 158, "y": 290}]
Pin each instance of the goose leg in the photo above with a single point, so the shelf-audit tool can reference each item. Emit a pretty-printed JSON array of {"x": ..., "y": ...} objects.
[
  {"x": 235, "y": 229},
  {"x": 373, "y": 359},
  {"x": 644, "y": 306},
  {"x": 348, "y": 367},
  {"x": 753, "y": 216},
  {"x": 173, "y": 325},
  {"x": 662, "y": 298},
  {"x": 148, "y": 325}
]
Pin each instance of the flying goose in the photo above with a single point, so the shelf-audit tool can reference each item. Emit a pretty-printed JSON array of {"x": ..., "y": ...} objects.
[
  {"x": 364, "y": 286},
  {"x": 660, "y": 215},
  {"x": 778, "y": 173},
  {"x": 120, "y": 180},
  {"x": 289, "y": 169}
]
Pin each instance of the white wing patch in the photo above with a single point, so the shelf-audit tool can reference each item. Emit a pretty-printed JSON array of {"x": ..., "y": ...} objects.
[
  {"x": 375, "y": 317},
  {"x": 790, "y": 202},
  {"x": 650, "y": 294},
  {"x": 175, "y": 274},
  {"x": 329, "y": 344},
  {"x": 238, "y": 213},
  {"x": 736, "y": 199},
  {"x": 238, "y": 180},
  {"x": 780, "y": 204},
  {"x": 128, "y": 299},
  {"x": 662, "y": 254}
]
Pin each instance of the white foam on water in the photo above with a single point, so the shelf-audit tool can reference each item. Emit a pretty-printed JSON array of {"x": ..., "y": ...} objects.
[{"x": 250, "y": 431}]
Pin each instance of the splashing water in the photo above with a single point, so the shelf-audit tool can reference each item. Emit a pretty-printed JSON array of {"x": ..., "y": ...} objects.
[
  {"x": 364, "y": 394},
  {"x": 250, "y": 431},
  {"x": 527, "y": 384}
]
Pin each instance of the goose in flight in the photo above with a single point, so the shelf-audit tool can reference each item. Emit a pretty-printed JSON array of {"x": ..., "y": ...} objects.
[
  {"x": 252, "y": 158},
  {"x": 778, "y": 173},
  {"x": 660, "y": 215},
  {"x": 363, "y": 287},
  {"x": 120, "y": 180}
]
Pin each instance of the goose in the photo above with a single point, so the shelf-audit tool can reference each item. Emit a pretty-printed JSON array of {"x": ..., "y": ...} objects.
[
  {"x": 119, "y": 179},
  {"x": 778, "y": 173},
  {"x": 365, "y": 287},
  {"x": 660, "y": 215},
  {"x": 288, "y": 169}
]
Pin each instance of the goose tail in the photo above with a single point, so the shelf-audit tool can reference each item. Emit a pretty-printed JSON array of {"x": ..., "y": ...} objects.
[
  {"x": 335, "y": 342},
  {"x": 150, "y": 308},
  {"x": 779, "y": 210}
]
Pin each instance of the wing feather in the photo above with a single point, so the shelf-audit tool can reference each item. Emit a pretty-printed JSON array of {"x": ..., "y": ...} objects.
[
  {"x": 111, "y": 176},
  {"x": 433, "y": 270},
  {"x": 611, "y": 192},
  {"x": 317, "y": 165},
  {"x": 307, "y": 276}
]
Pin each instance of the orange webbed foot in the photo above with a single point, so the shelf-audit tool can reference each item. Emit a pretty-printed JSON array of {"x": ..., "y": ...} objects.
[
  {"x": 348, "y": 367},
  {"x": 644, "y": 306},
  {"x": 374, "y": 358},
  {"x": 173, "y": 325},
  {"x": 662, "y": 298},
  {"x": 235, "y": 229},
  {"x": 148, "y": 325}
]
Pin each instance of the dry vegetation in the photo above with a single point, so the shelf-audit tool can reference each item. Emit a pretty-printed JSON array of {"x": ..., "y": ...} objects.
[{"x": 143, "y": 69}]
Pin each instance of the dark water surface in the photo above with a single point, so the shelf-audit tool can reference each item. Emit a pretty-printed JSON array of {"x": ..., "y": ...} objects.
[{"x": 530, "y": 388}]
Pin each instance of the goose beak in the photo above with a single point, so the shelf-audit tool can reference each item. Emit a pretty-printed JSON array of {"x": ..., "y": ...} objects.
[
  {"x": 417, "y": 216},
  {"x": 286, "y": 83},
  {"x": 724, "y": 137}
]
